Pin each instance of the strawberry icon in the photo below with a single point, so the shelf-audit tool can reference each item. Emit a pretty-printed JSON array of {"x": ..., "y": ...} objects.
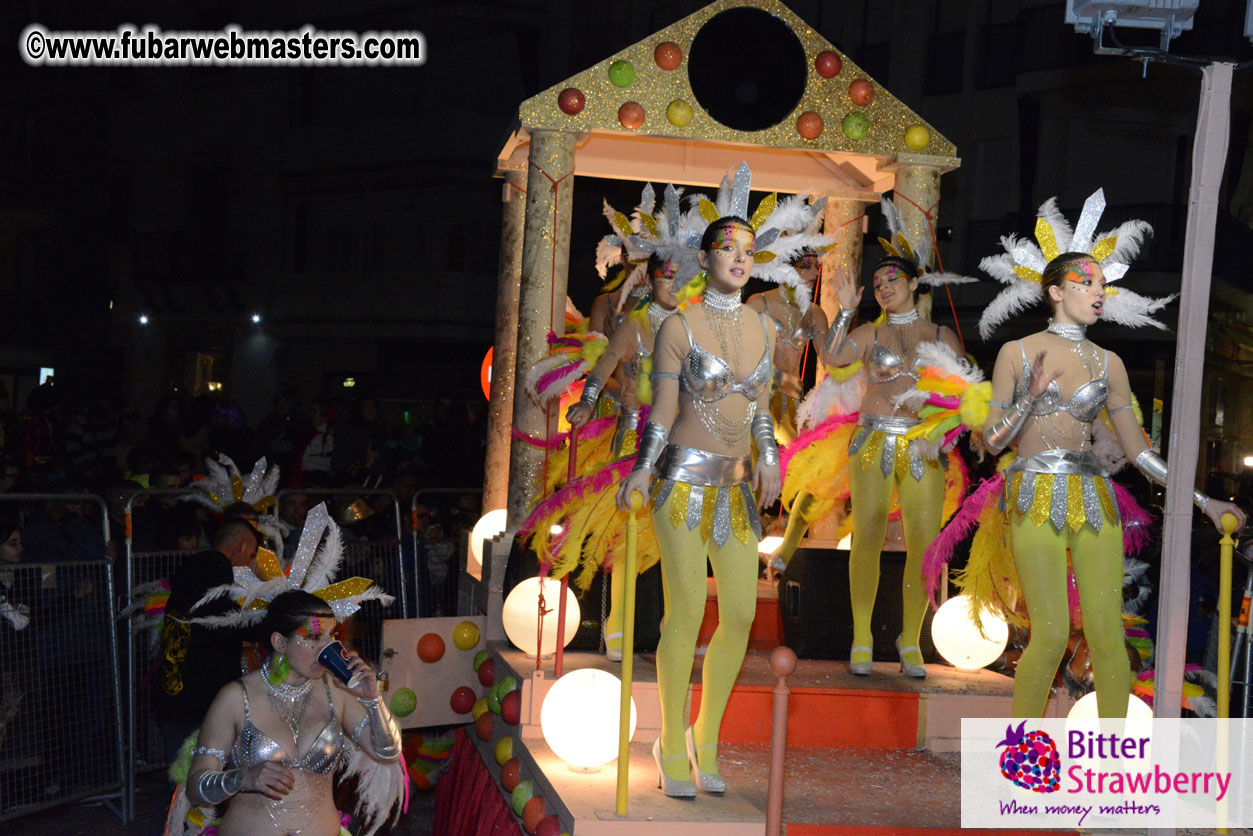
[{"x": 1030, "y": 759}]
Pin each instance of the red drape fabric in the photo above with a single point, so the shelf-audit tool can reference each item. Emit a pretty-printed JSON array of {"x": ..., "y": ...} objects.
[{"x": 468, "y": 801}]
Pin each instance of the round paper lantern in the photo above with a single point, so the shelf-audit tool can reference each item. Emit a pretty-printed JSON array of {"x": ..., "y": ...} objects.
[
  {"x": 403, "y": 702},
  {"x": 465, "y": 635},
  {"x": 521, "y": 612},
  {"x": 571, "y": 101},
  {"x": 481, "y": 657},
  {"x": 1085, "y": 709},
  {"x": 861, "y": 92},
  {"x": 521, "y": 794},
  {"x": 631, "y": 115},
  {"x": 957, "y": 638},
  {"x": 668, "y": 55},
  {"x": 549, "y": 826},
  {"x": 622, "y": 73},
  {"x": 462, "y": 700},
  {"x": 855, "y": 125},
  {"x": 511, "y": 708},
  {"x": 480, "y": 708},
  {"x": 489, "y": 526},
  {"x": 679, "y": 113},
  {"x": 917, "y": 137},
  {"x": 487, "y": 672},
  {"x": 579, "y": 718},
  {"x": 431, "y": 647},
  {"x": 504, "y": 750},
  {"x": 511, "y": 772},
  {"x": 809, "y": 125},
  {"x": 828, "y": 63},
  {"x": 485, "y": 375},
  {"x": 483, "y": 726},
  {"x": 533, "y": 813}
]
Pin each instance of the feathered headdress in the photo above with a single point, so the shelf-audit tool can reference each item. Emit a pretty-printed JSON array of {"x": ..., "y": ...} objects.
[
  {"x": 312, "y": 569},
  {"x": 609, "y": 249},
  {"x": 1021, "y": 266},
  {"x": 898, "y": 244},
  {"x": 223, "y": 486},
  {"x": 672, "y": 235}
]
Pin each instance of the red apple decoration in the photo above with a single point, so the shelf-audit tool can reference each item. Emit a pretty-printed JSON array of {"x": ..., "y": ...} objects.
[
  {"x": 462, "y": 700},
  {"x": 809, "y": 125},
  {"x": 571, "y": 101},
  {"x": 511, "y": 708},
  {"x": 483, "y": 726},
  {"x": 533, "y": 813},
  {"x": 668, "y": 55},
  {"x": 861, "y": 92},
  {"x": 828, "y": 63},
  {"x": 631, "y": 115},
  {"x": 549, "y": 826},
  {"x": 511, "y": 774},
  {"x": 487, "y": 673}
]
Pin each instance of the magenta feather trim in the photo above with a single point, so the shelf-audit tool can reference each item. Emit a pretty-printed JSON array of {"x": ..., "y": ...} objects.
[
  {"x": 547, "y": 379},
  {"x": 812, "y": 436},
  {"x": 940, "y": 552},
  {"x": 943, "y": 401},
  {"x": 951, "y": 437},
  {"x": 592, "y": 430},
  {"x": 567, "y": 342},
  {"x": 1072, "y": 598},
  {"x": 1135, "y": 521},
  {"x": 575, "y": 491}
]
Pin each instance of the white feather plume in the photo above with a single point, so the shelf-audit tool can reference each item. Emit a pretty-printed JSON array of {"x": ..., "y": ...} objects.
[
  {"x": 380, "y": 790},
  {"x": 326, "y": 563},
  {"x": 1130, "y": 236},
  {"x": 1133, "y": 310},
  {"x": 832, "y": 397},
  {"x": 1062, "y": 232}
]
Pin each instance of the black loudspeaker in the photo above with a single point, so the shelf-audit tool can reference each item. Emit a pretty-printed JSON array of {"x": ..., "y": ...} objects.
[
  {"x": 818, "y": 616},
  {"x": 649, "y": 607}
]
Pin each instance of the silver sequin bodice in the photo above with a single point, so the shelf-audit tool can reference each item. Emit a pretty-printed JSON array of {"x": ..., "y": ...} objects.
[
  {"x": 708, "y": 378},
  {"x": 254, "y": 746},
  {"x": 1084, "y": 405}
]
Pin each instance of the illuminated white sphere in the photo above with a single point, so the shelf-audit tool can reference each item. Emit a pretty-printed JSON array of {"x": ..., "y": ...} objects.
[
  {"x": 491, "y": 524},
  {"x": 767, "y": 545},
  {"x": 957, "y": 638},
  {"x": 1248, "y": 461},
  {"x": 521, "y": 615},
  {"x": 579, "y": 718},
  {"x": 1085, "y": 709}
]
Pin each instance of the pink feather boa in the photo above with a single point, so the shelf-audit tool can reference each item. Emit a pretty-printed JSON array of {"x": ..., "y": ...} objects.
[
  {"x": 812, "y": 436},
  {"x": 940, "y": 552},
  {"x": 576, "y": 491},
  {"x": 593, "y": 429},
  {"x": 1135, "y": 520}
]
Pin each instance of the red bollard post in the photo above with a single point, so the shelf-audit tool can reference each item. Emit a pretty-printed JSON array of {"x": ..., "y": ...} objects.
[{"x": 782, "y": 663}]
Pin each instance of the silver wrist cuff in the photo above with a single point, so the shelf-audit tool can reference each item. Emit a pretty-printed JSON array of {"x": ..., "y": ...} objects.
[
  {"x": 837, "y": 332},
  {"x": 215, "y": 787},
  {"x": 997, "y": 437},
  {"x": 591, "y": 390},
  {"x": 1153, "y": 467},
  {"x": 763, "y": 434},
  {"x": 384, "y": 734},
  {"x": 652, "y": 440}
]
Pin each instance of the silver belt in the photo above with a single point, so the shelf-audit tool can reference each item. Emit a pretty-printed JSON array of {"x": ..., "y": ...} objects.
[
  {"x": 697, "y": 467},
  {"x": 1080, "y": 463},
  {"x": 895, "y": 424}
]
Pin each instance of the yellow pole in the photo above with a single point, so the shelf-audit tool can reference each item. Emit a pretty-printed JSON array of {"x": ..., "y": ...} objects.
[
  {"x": 628, "y": 651},
  {"x": 1225, "y": 545}
]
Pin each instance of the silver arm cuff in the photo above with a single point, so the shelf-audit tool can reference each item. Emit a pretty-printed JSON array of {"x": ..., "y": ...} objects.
[
  {"x": 763, "y": 434},
  {"x": 384, "y": 734},
  {"x": 215, "y": 787},
  {"x": 837, "y": 333},
  {"x": 1153, "y": 467},
  {"x": 652, "y": 440},
  {"x": 997, "y": 437},
  {"x": 591, "y": 391}
]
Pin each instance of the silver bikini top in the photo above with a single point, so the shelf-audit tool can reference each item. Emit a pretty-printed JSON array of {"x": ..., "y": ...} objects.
[
  {"x": 707, "y": 377},
  {"x": 254, "y": 746},
  {"x": 885, "y": 365},
  {"x": 631, "y": 367},
  {"x": 801, "y": 335},
  {"x": 1084, "y": 405}
]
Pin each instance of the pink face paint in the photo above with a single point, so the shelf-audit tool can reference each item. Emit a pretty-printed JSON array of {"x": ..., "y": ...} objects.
[
  {"x": 316, "y": 626},
  {"x": 1082, "y": 271},
  {"x": 726, "y": 237}
]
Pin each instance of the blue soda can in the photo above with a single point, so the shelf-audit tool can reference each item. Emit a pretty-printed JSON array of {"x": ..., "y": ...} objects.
[{"x": 334, "y": 657}]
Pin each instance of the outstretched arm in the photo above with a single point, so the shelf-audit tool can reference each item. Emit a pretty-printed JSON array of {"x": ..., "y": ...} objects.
[
  {"x": 622, "y": 341},
  {"x": 766, "y": 481},
  {"x": 669, "y": 350},
  {"x": 836, "y": 349}
]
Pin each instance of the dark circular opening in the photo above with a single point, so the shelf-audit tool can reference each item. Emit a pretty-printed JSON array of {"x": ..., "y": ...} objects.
[{"x": 747, "y": 69}]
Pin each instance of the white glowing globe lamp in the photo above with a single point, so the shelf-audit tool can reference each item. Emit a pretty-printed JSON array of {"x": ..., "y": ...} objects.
[
  {"x": 521, "y": 616},
  {"x": 579, "y": 718},
  {"x": 491, "y": 524},
  {"x": 957, "y": 639},
  {"x": 1085, "y": 709},
  {"x": 767, "y": 545}
]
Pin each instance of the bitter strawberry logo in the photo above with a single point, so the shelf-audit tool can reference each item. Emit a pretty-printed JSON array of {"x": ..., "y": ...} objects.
[{"x": 1030, "y": 759}]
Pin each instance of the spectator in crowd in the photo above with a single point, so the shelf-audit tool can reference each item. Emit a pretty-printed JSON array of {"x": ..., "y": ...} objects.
[
  {"x": 319, "y": 444},
  {"x": 292, "y": 510},
  {"x": 163, "y": 520},
  {"x": 91, "y": 436},
  {"x": 64, "y": 532},
  {"x": 229, "y": 434},
  {"x": 164, "y": 429},
  {"x": 10, "y": 473},
  {"x": 279, "y": 433},
  {"x": 358, "y": 454}
]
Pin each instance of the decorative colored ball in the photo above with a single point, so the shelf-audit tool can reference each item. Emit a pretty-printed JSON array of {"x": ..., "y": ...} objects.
[
  {"x": 511, "y": 772},
  {"x": 431, "y": 647},
  {"x": 493, "y": 701},
  {"x": 483, "y": 726},
  {"x": 861, "y": 92},
  {"x": 465, "y": 635},
  {"x": 855, "y": 125},
  {"x": 480, "y": 708},
  {"x": 622, "y": 73},
  {"x": 403, "y": 702},
  {"x": 481, "y": 657},
  {"x": 809, "y": 125},
  {"x": 631, "y": 115},
  {"x": 668, "y": 55},
  {"x": 504, "y": 751},
  {"x": 505, "y": 686},
  {"x": 828, "y": 63},
  {"x": 521, "y": 794},
  {"x": 549, "y": 826},
  {"x": 511, "y": 708},
  {"x": 533, "y": 813},
  {"x": 571, "y": 101},
  {"x": 917, "y": 137},
  {"x": 462, "y": 700},
  {"x": 487, "y": 672},
  {"x": 679, "y": 113}
]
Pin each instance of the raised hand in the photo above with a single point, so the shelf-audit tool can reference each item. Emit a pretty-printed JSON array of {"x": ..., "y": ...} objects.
[
  {"x": 1038, "y": 382},
  {"x": 367, "y": 688},
  {"x": 847, "y": 290}
]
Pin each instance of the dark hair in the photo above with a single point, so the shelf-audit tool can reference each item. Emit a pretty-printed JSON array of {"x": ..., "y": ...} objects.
[
  {"x": 907, "y": 267},
  {"x": 239, "y": 510},
  {"x": 9, "y": 522},
  {"x": 233, "y": 528},
  {"x": 711, "y": 231},
  {"x": 288, "y": 612},
  {"x": 1055, "y": 271}
]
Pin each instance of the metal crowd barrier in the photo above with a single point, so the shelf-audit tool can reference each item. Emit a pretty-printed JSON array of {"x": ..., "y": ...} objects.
[
  {"x": 60, "y": 683},
  {"x": 436, "y": 562}
]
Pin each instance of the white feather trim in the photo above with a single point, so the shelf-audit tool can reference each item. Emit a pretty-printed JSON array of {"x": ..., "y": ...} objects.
[
  {"x": 1133, "y": 310},
  {"x": 1014, "y": 298},
  {"x": 939, "y": 279},
  {"x": 1130, "y": 237},
  {"x": 327, "y": 561},
  {"x": 380, "y": 789},
  {"x": 1062, "y": 233},
  {"x": 832, "y": 397}
]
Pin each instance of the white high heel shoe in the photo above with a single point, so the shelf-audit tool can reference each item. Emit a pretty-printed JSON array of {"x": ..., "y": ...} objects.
[
  {"x": 707, "y": 781},
  {"x": 613, "y": 654},
  {"x": 668, "y": 785},
  {"x": 861, "y": 668},
  {"x": 908, "y": 668}
]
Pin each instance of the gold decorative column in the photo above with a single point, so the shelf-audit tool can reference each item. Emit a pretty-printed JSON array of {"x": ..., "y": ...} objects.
[
  {"x": 541, "y": 302},
  {"x": 504, "y": 348},
  {"x": 917, "y": 196}
]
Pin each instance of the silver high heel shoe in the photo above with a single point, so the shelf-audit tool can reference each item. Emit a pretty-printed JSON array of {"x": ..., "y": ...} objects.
[
  {"x": 908, "y": 668},
  {"x": 668, "y": 785},
  {"x": 707, "y": 781},
  {"x": 861, "y": 668},
  {"x": 613, "y": 654}
]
